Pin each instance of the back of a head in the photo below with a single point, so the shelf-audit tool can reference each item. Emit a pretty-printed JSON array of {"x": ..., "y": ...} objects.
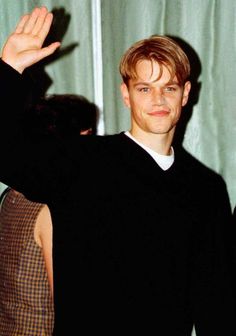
[
  {"x": 157, "y": 48},
  {"x": 62, "y": 115}
]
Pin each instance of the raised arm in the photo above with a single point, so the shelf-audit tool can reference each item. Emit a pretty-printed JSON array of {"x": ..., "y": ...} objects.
[
  {"x": 24, "y": 47},
  {"x": 19, "y": 157}
]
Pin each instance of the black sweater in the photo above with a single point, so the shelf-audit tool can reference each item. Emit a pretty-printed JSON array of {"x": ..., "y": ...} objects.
[{"x": 135, "y": 248}]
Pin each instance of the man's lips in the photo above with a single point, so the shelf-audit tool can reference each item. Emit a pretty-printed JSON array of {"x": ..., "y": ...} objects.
[{"x": 159, "y": 113}]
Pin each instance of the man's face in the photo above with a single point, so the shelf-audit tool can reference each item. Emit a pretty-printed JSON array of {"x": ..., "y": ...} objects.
[{"x": 155, "y": 104}]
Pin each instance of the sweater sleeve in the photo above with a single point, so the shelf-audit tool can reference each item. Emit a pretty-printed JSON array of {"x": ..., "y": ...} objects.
[
  {"x": 14, "y": 98},
  {"x": 14, "y": 91},
  {"x": 25, "y": 165}
]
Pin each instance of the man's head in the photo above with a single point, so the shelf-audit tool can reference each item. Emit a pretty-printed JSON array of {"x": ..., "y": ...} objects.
[
  {"x": 155, "y": 86},
  {"x": 161, "y": 49}
]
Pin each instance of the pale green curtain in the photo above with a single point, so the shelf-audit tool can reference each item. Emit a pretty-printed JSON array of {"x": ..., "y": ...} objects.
[{"x": 208, "y": 26}]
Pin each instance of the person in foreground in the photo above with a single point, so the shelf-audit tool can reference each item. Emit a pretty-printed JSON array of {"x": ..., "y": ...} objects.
[
  {"x": 26, "y": 271},
  {"x": 142, "y": 245}
]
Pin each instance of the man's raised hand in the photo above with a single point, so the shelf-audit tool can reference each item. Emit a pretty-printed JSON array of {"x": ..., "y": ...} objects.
[{"x": 23, "y": 47}]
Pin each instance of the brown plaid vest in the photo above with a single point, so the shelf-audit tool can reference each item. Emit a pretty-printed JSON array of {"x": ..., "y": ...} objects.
[{"x": 26, "y": 306}]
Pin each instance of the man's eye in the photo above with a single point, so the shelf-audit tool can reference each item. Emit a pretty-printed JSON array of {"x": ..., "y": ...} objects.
[
  {"x": 170, "y": 88},
  {"x": 144, "y": 89}
]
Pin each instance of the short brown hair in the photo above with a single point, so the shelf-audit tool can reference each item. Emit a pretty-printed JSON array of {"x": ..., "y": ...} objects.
[{"x": 161, "y": 49}]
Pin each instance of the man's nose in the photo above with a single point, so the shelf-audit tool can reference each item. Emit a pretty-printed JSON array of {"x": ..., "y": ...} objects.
[{"x": 158, "y": 97}]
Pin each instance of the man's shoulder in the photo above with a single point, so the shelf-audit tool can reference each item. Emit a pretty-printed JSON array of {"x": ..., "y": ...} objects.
[
  {"x": 111, "y": 141},
  {"x": 197, "y": 169}
]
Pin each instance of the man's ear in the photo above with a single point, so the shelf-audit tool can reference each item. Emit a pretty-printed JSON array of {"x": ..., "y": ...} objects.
[
  {"x": 125, "y": 94},
  {"x": 187, "y": 88}
]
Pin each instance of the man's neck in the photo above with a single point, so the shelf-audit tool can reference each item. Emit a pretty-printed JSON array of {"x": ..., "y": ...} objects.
[{"x": 159, "y": 143}]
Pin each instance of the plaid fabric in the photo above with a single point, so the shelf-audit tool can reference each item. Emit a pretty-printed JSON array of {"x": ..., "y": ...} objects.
[{"x": 26, "y": 306}]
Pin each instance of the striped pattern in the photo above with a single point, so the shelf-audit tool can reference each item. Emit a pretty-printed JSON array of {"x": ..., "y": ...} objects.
[{"x": 25, "y": 303}]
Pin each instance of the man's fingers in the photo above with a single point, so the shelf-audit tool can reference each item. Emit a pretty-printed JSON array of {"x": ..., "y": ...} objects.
[
  {"x": 37, "y": 24},
  {"x": 20, "y": 26},
  {"x": 43, "y": 32},
  {"x": 40, "y": 21},
  {"x": 44, "y": 52},
  {"x": 37, "y": 14}
]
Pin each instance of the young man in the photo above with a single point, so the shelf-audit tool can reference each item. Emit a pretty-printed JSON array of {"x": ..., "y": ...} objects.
[{"x": 140, "y": 246}]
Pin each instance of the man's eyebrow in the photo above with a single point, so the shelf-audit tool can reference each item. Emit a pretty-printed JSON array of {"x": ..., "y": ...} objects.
[
  {"x": 142, "y": 83},
  {"x": 173, "y": 82}
]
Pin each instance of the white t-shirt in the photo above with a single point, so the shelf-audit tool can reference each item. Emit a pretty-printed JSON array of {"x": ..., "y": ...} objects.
[{"x": 164, "y": 161}]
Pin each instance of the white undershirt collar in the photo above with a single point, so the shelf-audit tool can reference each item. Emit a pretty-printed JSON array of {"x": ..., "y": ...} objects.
[{"x": 164, "y": 161}]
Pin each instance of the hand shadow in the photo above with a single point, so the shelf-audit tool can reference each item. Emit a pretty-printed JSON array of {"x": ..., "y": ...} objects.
[{"x": 60, "y": 24}]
